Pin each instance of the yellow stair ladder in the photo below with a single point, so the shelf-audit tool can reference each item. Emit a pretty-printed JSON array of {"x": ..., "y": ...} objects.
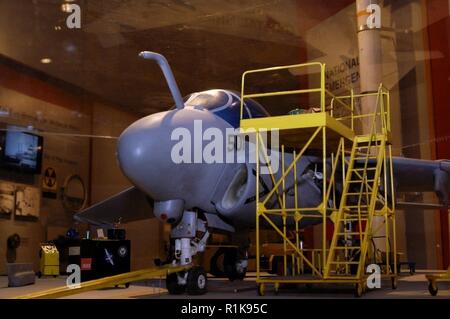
[
  {"x": 360, "y": 201},
  {"x": 357, "y": 207}
]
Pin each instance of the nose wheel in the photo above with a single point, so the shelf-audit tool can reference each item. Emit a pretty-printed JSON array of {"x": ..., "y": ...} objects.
[
  {"x": 196, "y": 281},
  {"x": 193, "y": 282}
]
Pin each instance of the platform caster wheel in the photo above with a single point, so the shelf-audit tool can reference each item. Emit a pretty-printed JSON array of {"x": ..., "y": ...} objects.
[
  {"x": 432, "y": 288},
  {"x": 277, "y": 289},
  {"x": 394, "y": 282},
  {"x": 173, "y": 286},
  {"x": 359, "y": 290},
  {"x": 127, "y": 285},
  {"x": 261, "y": 290},
  {"x": 39, "y": 274},
  {"x": 196, "y": 281}
]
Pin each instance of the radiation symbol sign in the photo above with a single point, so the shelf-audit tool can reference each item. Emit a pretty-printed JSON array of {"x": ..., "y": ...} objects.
[{"x": 49, "y": 183}]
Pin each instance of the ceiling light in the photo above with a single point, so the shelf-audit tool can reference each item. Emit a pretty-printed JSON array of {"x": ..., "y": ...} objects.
[
  {"x": 46, "y": 60},
  {"x": 65, "y": 7}
]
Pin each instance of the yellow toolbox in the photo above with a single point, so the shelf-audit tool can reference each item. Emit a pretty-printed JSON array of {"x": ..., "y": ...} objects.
[{"x": 49, "y": 260}]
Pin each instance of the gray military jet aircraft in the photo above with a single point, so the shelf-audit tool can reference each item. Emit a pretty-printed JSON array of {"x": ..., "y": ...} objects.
[{"x": 197, "y": 196}]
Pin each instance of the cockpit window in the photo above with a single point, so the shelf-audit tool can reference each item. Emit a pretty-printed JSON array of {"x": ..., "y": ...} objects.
[
  {"x": 211, "y": 100},
  {"x": 226, "y": 105}
]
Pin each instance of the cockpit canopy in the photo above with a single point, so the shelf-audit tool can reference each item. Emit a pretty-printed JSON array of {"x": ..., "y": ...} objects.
[{"x": 225, "y": 104}]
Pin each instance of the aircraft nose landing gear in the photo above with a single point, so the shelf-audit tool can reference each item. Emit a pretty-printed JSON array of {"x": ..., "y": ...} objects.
[{"x": 187, "y": 244}]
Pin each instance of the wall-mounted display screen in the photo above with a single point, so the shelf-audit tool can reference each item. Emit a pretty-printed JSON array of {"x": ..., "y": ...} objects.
[{"x": 21, "y": 151}]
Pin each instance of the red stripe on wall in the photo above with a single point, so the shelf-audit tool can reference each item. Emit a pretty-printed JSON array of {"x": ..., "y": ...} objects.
[
  {"x": 35, "y": 84},
  {"x": 439, "y": 41}
]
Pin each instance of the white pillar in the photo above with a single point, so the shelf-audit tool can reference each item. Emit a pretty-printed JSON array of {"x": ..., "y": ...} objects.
[
  {"x": 371, "y": 76},
  {"x": 370, "y": 58}
]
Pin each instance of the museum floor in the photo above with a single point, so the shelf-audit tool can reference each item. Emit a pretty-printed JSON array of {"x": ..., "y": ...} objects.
[{"x": 408, "y": 287}]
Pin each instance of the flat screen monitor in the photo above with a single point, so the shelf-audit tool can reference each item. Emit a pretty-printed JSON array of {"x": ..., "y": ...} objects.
[{"x": 21, "y": 151}]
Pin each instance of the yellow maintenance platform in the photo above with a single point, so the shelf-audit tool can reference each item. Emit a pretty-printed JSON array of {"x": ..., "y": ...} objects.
[
  {"x": 361, "y": 160},
  {"x": 122, "y": 279}
]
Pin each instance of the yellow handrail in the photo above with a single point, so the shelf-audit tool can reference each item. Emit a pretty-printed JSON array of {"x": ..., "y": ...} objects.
[
  {"x": 321, "y": 89},
  {"x": 345, "y": 101}
]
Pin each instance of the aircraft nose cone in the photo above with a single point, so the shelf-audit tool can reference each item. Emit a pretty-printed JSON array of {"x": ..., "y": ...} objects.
[
  {"x": 131, "y": 149},
  {"x": 145, "y": 151},
  {"x": 137, "y": 147}
]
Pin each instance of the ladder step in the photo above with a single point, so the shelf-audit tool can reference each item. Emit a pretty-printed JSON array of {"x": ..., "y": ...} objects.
[
  {"x": 356, "y": 220},
  {"x": 345, "y": 262},
  {"x": 349, "y": 234},
  {"x": 366, "y": 139},
  {"x": 355, "y": 194},
  {"x": 344, "y": 220},
  {"x": 362, "y": 142},
  {"x": 357, "y": 206},
  {"x": 364, "y": 158},
  {"x": 365, "y": 144},
  {"x": 362, "y": 181},
  {"x": 347, "y": 248},
  {"x": 363, "y": 169}
]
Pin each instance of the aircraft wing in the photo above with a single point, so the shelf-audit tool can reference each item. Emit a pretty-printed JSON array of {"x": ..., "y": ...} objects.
[
  {"x": 126, "y": 206},
  {"x": 412, "y": 175}
]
